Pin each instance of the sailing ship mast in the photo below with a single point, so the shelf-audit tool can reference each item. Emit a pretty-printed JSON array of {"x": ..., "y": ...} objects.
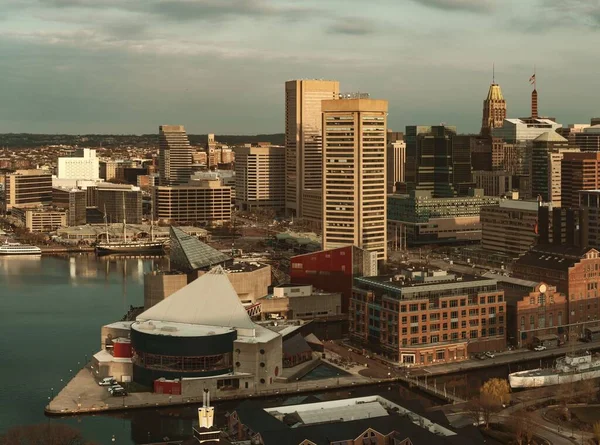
[
  {"x": 124, "y": 221},
  {"x": 106, "y": 224}
]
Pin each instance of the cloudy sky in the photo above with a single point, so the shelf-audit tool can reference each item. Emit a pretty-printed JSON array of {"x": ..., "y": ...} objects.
[{"x": 127, "y": 66}]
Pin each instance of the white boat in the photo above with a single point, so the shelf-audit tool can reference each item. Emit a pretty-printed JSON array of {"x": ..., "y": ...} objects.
[
  {"x": 568, "y": 369},
  {"x": 19, "y": 249}
]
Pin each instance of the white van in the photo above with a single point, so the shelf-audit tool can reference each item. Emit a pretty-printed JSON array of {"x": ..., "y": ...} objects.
[{"x": 107, "y": 381}]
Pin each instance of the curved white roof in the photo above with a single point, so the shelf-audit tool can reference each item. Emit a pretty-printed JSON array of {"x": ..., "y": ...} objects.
[{"x": 210, "y": 300}]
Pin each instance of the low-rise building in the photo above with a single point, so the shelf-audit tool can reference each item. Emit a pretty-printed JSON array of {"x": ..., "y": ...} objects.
[
  {"x": 575, "y": 271},
  {"x": 334, "y": 270},
  {"x": 73, "y": 200},
  {"x": 418, "y": 218},
  {"x": 358, "y": 421},
  {"x": 300, "y": 301},
  {"x": 424, "y": 316},
  {"x": 40, "y": 219}
]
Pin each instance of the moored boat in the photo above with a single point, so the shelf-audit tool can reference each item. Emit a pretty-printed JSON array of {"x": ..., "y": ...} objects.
[
  {"x": 567, "y": 369},
  {"x": 19, "y": 249}
]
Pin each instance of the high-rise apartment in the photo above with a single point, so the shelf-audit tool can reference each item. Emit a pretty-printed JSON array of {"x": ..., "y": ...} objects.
[
  {"x": 354, "y": 174},
  {"x": 580, "y": 171},
  {"x": 494, "y": 110},
  {"x": 303, "y": 142},
  {"x": 175, "y": 155},
  {"x": 27, "y": 188},
  {"x": 260, "y": 178},
  {"x": 84, "y": 164}
]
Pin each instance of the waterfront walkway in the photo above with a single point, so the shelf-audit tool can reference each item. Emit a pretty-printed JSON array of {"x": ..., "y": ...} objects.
[{"x": 83, "y": 395}]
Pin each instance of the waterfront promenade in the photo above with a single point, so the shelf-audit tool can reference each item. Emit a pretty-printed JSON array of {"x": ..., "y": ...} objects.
[{"x": 83, "y": 395}]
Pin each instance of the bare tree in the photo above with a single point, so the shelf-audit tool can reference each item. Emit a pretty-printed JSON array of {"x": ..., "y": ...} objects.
[
  {"x": 523, "y": 426},
  {"x": 43, "y": 434}
]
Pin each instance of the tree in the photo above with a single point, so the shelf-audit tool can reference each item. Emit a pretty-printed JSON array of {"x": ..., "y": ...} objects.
[
  {"x": 596, "y": 429},
  {"x": 523, "y": 426},
  {"x": 493, "y": 394},
  {"x": 588, "y": 390},
  {"x": 43, "y": 434},
  {"x": 496, "y": 390}
]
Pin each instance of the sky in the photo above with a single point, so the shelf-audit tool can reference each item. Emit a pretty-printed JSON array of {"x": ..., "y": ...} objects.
[{"x": 219, "y": 66}]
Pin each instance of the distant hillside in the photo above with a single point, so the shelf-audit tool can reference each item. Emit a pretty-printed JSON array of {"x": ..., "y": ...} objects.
[{"x": 26, "y": 140}]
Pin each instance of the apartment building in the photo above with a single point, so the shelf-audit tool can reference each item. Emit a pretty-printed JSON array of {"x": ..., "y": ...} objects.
[{"x": 423, "y": 316}]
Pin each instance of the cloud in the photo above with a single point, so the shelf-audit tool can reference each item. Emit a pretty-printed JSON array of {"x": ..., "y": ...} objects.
[
  {"x": 352, "y": 27},
  {"x": 477, "y": 6}
]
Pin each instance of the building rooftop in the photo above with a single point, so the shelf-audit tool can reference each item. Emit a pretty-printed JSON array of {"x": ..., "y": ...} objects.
[
  {"x": 511, "y": 280},
  {"x": 209, "y": 300},
  {"x": 179, "y": 329},
  {"x": 554, "y": 257},
  {"x": 323, "y": 423},
  {"x": 189, "y": 253},
  {"x": 495, "y": 92},
  {"x": 550, "y": 136}
]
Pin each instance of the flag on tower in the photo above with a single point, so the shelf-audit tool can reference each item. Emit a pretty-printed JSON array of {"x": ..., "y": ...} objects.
[{"x": 532, "y": 79}]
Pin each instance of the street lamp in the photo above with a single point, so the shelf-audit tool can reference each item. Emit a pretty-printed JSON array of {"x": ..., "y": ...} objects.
[
  {"x": 113, "y": 438},
  {"x": 52, "y": 390}
]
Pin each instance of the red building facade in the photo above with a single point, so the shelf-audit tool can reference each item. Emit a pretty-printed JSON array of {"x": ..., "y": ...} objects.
[{"x": 333, "y": 270}]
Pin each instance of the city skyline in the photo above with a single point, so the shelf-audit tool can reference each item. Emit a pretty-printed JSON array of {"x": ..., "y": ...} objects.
[{"x": 127, "y": 66}]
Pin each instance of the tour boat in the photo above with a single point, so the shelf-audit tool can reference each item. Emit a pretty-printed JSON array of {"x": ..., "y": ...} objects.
[{"x": 19, "y": 249}]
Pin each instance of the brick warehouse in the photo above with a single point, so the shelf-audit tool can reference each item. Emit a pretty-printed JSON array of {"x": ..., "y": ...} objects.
[{"x": 424, "y": 316}]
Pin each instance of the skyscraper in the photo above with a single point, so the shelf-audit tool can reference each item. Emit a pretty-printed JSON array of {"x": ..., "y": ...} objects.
[
  {"x": 580, "y": 171},
  {"x": 543, "y": 146},
  {"x": 303, "y": 142},
  {"x": 175, "y": 155},
  {"x": 354, "y": 174},
  {"x": 438, "y": 160},
  {"x": 494, "y": 110}
]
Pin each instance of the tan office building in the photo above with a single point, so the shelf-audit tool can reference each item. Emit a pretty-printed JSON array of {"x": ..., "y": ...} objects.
[
  {"x": 174, "y": 156},
  {"x": 119, "y": 201},
  {"x": 354, "y": 174},
  {"x": 260, "y": 178},
  {"x": 27, "y": 188},
  {"x": 209, "y": 202},
  {"x": 303, "y": 142},
  {"x": 40, "y": 219}
]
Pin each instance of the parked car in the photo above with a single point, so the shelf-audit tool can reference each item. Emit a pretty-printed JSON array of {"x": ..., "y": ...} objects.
[
  {"x": 481, "y": 356},
  {"x": 540, "y": 348},
  {"x": 115, "y": 388},
  {"x": 119, "y": 392},
  {"x": 490, "y": 354},
  {"x": 107, "y": 381}
]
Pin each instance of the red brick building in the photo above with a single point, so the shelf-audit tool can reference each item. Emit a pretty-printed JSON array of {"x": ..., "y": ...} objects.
[
  {"x": 542, "y": 312},
  {"x": 421, "y": 317},
  {"x": 333, "y": 270},
  {"x": 574, "y": 271}
]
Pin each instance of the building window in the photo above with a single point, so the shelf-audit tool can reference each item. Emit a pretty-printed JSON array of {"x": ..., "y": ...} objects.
[
  {"x": 453, "y": 303},
  {"x": 414, "y": 307},
  {"x": 404, "y": 320},
  {"x": 440, "y": 355},
  {"x": 491, "y": 299},
  {"x": 473, "y": 334},
  {"x": 435, "y": 338}
]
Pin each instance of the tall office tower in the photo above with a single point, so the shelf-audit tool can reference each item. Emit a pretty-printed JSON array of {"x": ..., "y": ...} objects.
[
  {"x": 118, "y": 202},
  {"x": 494, "y": 110},
  {"x": 438, "y": 160},
  {"x": 354, "y": 174},
  {"x": 175, "y": 155},
  {"x": 396, "y": 159},
  {"x": 580, "y": 171},
  {"x": 260, "y": 178},
  {"x": 303, "y": 143},
  {"x": 541, "y": 177},
  {"x": 82, "y": 165}
]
